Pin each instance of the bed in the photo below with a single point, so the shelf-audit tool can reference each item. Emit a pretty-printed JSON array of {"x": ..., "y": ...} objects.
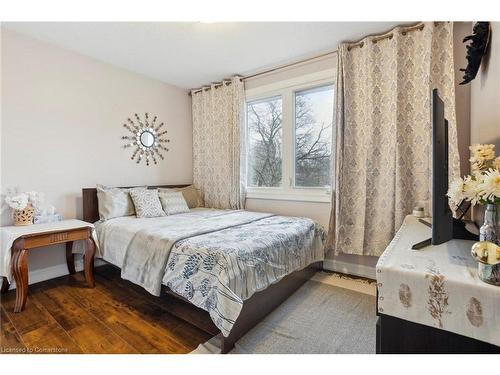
[{"x": 235, "y": 266}]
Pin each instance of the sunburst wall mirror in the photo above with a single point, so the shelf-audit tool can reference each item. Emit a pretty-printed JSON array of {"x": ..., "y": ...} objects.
[{"x": 148, "y": 140}]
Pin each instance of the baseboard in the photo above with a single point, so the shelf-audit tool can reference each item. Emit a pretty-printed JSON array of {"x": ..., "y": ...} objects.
[
  {"x": 52, "y": 272},
  {"x": 59, "y": 270},
  {"x": 349, "y": 268}
]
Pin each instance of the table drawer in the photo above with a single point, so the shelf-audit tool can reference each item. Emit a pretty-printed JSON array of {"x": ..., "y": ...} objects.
[{"x": 52, "y": 238}]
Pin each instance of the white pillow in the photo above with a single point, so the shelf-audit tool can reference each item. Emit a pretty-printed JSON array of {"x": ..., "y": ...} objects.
[
  {"x": 173, "y": 202},
  {"x": 147, "y": 203},
  {"x": 115, "y": 202}
]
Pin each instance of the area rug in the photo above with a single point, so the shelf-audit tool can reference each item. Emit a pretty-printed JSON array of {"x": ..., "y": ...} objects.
[{"x": 317, "y": 318}]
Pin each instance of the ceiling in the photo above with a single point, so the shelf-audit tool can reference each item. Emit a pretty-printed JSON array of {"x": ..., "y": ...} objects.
[{"x": 191, "y": 54}]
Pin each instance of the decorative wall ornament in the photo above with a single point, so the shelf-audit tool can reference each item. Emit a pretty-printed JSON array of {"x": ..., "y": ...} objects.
[
  {"x": 476, "y": 50},
  {"x": 146, "y": 137}
]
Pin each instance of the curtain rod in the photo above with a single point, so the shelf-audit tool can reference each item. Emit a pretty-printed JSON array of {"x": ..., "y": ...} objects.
[
  {"x": 388, "y": 35},
  {"x": 264, "y": 72},
  {"x": 376, "y": 38},
  {"x": 289, "y": 65}
]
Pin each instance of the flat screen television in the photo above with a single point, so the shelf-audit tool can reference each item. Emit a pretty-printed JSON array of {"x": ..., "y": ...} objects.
[{"x": 444, "y": 226}]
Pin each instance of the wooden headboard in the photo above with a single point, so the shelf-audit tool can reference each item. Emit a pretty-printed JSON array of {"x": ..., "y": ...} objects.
[{"x": 90, "y": 206}]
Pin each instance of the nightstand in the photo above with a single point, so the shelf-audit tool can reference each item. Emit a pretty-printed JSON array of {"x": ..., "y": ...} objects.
[{"x": 24, "y": 239}]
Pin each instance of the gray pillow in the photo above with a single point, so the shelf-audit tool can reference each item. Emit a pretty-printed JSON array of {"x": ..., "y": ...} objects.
[
  {"x": 115, "y": 202},
  {"x": 191, "y": 195},
  {"x": 173, "y": 202},
  {"x": 147, "y": 203}
]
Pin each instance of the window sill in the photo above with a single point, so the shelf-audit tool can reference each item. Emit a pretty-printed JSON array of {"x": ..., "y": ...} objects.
[{"x": 318, "y": 197}]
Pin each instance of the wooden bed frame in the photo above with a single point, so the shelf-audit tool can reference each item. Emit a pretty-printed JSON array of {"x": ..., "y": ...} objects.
[{"x": 254, "y": 309}]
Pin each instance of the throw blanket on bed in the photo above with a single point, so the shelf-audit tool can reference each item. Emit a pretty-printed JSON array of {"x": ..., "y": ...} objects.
[{"x": 147, "y": 254}]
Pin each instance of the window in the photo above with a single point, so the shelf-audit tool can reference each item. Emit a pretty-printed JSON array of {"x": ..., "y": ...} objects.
[
  {"x": 313, "y": 136},
  {"x": 289, "y": 131},
  {"x": 264, "y": 128}
]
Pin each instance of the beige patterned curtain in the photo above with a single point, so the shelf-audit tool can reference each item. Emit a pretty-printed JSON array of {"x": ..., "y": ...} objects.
[
  {"x": 217, "y": 144},
  {"x": 384, "y": 133}
]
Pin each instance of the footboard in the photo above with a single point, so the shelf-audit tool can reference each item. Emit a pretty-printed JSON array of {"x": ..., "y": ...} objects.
[{"x": 262, "y": 303}]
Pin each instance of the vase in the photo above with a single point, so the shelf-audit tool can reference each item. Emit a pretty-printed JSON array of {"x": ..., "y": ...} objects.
[
  {"x": 24, "y": 217},
  {"x": 488, "y": 232}
]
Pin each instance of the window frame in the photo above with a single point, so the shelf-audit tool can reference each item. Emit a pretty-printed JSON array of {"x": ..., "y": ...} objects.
[{"x": 287, "y": 89}]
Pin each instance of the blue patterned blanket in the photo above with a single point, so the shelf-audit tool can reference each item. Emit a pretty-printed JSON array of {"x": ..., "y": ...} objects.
[{"x": 216, "y": 259}]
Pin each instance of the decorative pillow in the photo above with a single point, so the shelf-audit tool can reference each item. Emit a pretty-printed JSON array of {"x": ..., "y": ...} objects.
[
  {"x": 173, "y": 202},
  {"x": 115, "y": 202},
  {"x": 191, "y": 195},
  {"x": 147, "y": 203}
]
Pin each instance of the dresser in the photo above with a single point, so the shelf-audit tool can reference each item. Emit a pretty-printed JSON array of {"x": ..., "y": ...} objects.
[{"x": 431, "y": 300}]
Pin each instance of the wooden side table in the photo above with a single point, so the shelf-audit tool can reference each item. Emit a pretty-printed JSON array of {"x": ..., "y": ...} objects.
[{"x": 27, "y": 242}]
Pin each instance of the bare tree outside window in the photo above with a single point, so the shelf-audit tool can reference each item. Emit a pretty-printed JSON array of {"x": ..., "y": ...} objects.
[
  {"x": 264, "y": 126},
  {"x": 313, "y": 134}
]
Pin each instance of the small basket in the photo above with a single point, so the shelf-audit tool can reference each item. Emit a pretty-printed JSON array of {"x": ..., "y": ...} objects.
[{"x": 24, "y": 217}]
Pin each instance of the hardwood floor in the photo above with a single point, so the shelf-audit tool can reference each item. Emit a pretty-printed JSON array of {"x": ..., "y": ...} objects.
[{"x": 64, "y": 316}]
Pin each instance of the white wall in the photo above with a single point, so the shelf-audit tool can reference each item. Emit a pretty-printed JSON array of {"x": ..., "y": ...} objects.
[
  {"x": 485, "y": 102},
  {"x": 462, "y": 94},
  {"x": 62, "y": 116},
  {"x": 485, "y": 95}
]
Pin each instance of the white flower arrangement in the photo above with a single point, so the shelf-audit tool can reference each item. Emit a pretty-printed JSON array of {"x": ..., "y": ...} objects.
[
  {"x": 483, "y": 158},
  {"x": 36, "y": 199},
  {"x": 17, "y": 202},
  {"x": 20, "y": 201},
  {"x": 483, "y": 186},
  {"x": 489, "y": 186}
]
